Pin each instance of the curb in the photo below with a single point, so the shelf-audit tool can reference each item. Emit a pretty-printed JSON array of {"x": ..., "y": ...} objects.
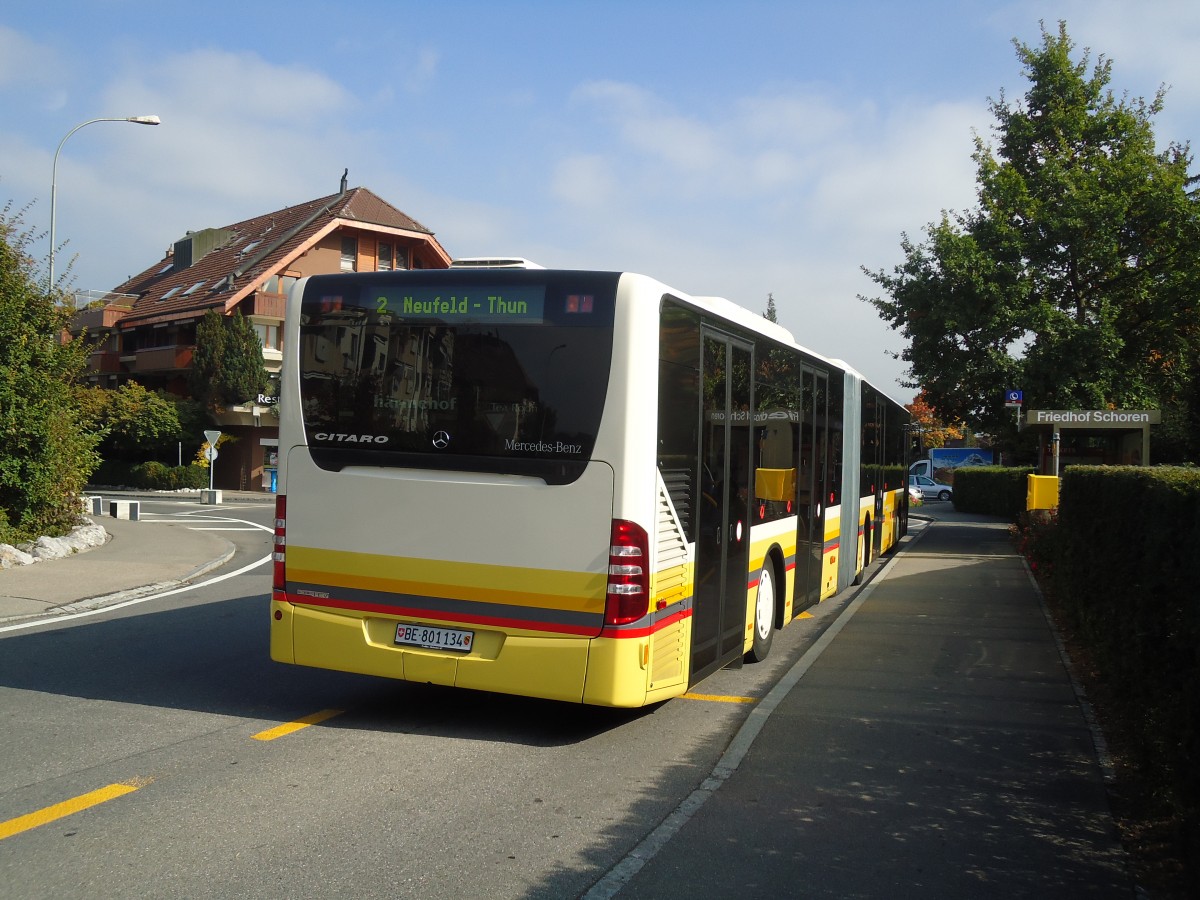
[{"x": 92, "y": 604}]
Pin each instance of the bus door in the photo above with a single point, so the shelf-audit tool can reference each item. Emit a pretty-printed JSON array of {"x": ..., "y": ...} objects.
[
  {"x": 873, "y": 458},
  {"x": 811, "y": 495},
  {"x": 723, "y": 541}
]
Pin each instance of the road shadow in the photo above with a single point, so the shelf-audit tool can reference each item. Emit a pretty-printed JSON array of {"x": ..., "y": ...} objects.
[{"x": 213, "y": 658}]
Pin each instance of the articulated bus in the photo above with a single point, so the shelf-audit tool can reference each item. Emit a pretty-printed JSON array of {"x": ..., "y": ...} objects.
[{"x": 582, "y": 486}]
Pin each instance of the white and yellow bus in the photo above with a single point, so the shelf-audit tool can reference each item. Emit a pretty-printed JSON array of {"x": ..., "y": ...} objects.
[{"x": 583, "y": 486}]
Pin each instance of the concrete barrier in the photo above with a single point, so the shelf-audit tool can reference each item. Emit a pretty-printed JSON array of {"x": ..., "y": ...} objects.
[
  {"x": 208, "y": 497},
  {"x": 93, "y": 506},
  {"x": 125, "y": 509}
]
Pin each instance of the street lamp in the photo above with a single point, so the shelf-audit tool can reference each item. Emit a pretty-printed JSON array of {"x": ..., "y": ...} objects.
[{"x": 137, "y": 120}]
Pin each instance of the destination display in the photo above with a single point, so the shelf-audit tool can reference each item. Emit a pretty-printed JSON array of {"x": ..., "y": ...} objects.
[{"x": 512, "y": 304}]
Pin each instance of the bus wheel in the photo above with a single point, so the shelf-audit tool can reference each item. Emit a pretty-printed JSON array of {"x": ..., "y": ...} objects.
[{"x": 764, "y": 614}]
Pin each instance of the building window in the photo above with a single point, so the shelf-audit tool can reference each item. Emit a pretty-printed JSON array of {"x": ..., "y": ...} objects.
[
  {"x": 402, "y": 258},
  {"x": 269, "y": 335},
  {"x": 385, "y": 258},
  {"x": 349, "y": 254}
]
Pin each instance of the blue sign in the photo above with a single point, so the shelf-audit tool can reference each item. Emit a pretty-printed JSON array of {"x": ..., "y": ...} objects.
[{"x": 1014, "y": 398}]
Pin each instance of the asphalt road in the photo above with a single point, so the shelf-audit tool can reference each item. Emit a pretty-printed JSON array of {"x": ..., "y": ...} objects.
[{"x": 143, "y": 756}]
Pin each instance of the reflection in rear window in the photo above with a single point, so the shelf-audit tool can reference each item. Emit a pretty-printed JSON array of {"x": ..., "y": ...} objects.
[{"x": 490, "y": 371}]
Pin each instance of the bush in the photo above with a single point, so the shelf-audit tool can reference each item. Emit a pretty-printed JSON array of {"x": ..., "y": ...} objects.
[
  {"x": 153, "y": 476},
  {"x": 1118, "y": 561},
  {"x": 991, "y": 490},
  {"x": 46, "y": 450},
  {"x": 1040, "y": 543}
]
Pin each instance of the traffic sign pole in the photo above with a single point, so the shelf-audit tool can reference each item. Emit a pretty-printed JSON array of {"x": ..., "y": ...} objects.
[
  {"x": 211, "y": 454},
  {"x": 1013, "y": 399}
]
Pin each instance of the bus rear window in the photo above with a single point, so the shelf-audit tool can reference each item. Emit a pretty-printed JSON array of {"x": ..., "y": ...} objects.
[{"x": 466, "y": 370}]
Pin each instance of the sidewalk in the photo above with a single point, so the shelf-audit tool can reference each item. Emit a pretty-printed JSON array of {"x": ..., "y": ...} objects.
[
  {"x": 935, "y": 747},
  {"x": 140, "y": 557}
]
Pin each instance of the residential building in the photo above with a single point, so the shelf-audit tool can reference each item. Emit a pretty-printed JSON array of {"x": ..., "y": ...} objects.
[{"x": 145, "y": 329}]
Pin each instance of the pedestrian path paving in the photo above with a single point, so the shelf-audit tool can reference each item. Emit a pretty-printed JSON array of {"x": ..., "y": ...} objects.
[{"x": 936, "y": 748}]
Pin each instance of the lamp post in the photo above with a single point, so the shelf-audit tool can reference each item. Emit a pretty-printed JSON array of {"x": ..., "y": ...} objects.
[{"x": 137, "y": 120}]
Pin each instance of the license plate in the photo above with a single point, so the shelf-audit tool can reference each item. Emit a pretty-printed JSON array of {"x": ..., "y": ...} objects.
[{"x": 432, "y": 638}]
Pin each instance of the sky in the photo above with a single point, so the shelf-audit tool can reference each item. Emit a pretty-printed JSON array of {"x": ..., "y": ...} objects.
[{"x": 740, "y": 149}]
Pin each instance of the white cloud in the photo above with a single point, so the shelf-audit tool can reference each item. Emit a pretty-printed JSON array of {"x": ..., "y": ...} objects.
[
  {"x": 797, "y": 115},
  {"x": 234, "y": 89},
  {"x": 239, "y": 136},
  {"x": 584, "y": 180},
  {"x": 238, "y": 132},
  {"x": 788, "y": 192},
  {"x": 898, "y": 173},
  {"x": 23, "y": 61},
  {"x": 664, "y": 143},
  {"x": 29, "y": 66},
  {"x": 424, "y": 70},
  {"x": 738, "y": 185}
]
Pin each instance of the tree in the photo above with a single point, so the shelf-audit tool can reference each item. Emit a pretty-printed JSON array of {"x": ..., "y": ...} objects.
[
  {"x": 771, "y": 315},
  {"x": 1075, "y": 277},
  {"x": 934, "y": 432},
  {"x": 245, "y": 374},
  {"x": 227, "y": 366},
  {"x": 137, "y": 423},
  {"x": 207, "y": 358},
  {"x": 46, "y": 450}
]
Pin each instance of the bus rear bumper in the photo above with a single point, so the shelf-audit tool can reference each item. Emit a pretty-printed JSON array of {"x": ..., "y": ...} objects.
[
  {"x": 282, "y": 614},
  {"x": 506, "y": 663},
  {"x": 603, "y": 671}
]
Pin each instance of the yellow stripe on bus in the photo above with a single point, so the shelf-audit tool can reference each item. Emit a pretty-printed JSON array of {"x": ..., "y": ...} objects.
[
  {"x": 577, "y": 591},
  {"x": 69, "y": 807}
]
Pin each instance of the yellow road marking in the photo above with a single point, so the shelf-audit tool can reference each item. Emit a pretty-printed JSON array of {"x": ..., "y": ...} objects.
[
  {"x": 718, "y": 698},
  {"x": 68, "y": 807},
  {"x": 289, "y": 727},
  {"x": 806, "y": 615}
]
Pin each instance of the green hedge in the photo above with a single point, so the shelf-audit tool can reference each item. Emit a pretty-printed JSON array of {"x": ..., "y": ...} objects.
[
  {"x": 1123, "y": 571},
  {"x": 991, "y": 490},
  {"x": 154, "y": 476}
]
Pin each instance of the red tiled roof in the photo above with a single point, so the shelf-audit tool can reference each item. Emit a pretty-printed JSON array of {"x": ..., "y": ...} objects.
[{"x": 255, "y": 249}]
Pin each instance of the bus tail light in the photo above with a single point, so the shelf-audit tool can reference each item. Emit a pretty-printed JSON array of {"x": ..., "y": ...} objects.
[
  {"x": 628, "y": 574},
  {"x": 278, "y": 576}
]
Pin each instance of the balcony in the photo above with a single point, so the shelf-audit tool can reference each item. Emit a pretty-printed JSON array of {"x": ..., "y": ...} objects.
[
  {"x": 98, "y": 311},
  {"x": 105, "y": 362},
  {"x": 163, "y": 359},
  {"x": 264, "y": 304}
]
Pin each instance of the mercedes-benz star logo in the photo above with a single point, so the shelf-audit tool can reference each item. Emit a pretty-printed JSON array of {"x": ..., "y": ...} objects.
[{"x": 441, "y": 440}]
